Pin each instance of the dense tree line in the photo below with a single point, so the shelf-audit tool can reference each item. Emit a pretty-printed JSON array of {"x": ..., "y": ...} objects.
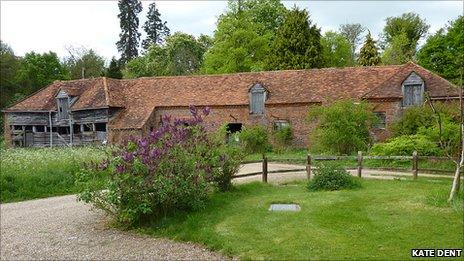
[{"x": 251, "y": 35}]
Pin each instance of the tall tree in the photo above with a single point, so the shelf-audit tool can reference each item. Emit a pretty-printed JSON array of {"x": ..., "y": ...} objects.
[
  {"x": 181, "y": 55},
  {"x": 241, "y": 40},
  {"x": 114, "y": 70},
  {"x": 185, "y": 54},
  {"x": 237, "y": 48},
  {"x": 153, "y": 63},
  {"x": 129, "y": 23},
  {"x": 369, "y": 54},
  {"x": 39, "y": 70},
  {"x": 443, "y": 52},
  {"x": 397, "y": 51},
  {"x": 9, "y": 68},
  {"x": 352, "y": 32},
  {"x": 84, "y": 63},
  {"x": 410, "y": 27},
  {"x": 155, "y": 28},
  {"x": 337, "y": 50},
  {"x": 297, "y": 44}
]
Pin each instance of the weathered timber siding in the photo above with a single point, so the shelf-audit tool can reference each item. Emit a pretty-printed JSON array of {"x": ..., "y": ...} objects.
[{"x": 41, "y": 139}]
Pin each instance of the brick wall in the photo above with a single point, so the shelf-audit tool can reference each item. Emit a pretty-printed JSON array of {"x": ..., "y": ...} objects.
[
  {"x": 393, "y": 110},
  {"x": 295, "y": 114}
]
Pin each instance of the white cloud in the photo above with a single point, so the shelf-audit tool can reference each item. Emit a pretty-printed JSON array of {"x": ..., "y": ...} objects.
[{"x": 44, "y": 26}]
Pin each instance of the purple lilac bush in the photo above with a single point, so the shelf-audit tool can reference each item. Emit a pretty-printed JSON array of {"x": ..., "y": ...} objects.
[{"x": 175, "y": 167}]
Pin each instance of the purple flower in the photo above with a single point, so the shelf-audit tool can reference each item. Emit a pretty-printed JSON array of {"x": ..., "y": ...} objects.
[
  {"x": 206, "y": 111},
  {"x": 166, "y": 119},
  {"x": 143, "y": 143},
  {"x": 193, "y": 110},
  {"x": 120, "y": 168},
  {"x": 127, "y": 156},
  {"x": 154, "y": 154}
]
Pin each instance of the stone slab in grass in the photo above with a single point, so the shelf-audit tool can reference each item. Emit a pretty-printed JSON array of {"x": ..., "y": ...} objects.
[{"x": 284, "y": 207}]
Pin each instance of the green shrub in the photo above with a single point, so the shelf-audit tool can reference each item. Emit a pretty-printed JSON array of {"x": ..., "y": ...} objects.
[
  {"x": 254, "y": 139},
  {"x": 405, "y": 145},
  {"x": 450, "y": 137},
  {"x": 342, "y": 128},
  {"x": 412, "y": 119},
  {"x": 175, "y": 168},
  {"x": 283, "y": 138},
  {"x": 332, "y": 177}
]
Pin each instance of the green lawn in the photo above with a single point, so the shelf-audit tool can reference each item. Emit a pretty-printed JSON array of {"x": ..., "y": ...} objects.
[
  {"x": 28, "y": 173},
  {"x": 383, "y": 220}
]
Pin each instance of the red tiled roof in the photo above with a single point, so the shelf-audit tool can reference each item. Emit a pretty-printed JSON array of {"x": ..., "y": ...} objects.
[
  {"x": 139, "y": 97},
  {"x": 434, "y": 84}
]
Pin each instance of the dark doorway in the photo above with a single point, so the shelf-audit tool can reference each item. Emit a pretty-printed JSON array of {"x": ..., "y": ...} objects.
[{"x": 234, "y": 127}]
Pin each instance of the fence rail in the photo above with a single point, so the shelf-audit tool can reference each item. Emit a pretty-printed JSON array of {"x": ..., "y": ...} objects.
[{"x": 360, "y": 158}]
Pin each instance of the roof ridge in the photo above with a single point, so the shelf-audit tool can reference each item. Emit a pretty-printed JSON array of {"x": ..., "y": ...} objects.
[
  {"x": 260, "y": 72},
  {"x": 105, "y": 88}
]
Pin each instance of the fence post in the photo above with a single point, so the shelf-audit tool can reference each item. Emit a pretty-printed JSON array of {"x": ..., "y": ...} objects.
[
  {"x": 360, "y": 161},
  {"x": 308, "y": 167},
  {"x": 264, "y": 168},
  {"x": 415, "y": 164}
]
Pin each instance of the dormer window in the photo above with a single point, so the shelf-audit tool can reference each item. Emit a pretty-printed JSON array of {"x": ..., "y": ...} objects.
[
  {"x": 257, "y": 99},
  {"x": 413, "y": 90},
  {"x": 62, "y": 100}
]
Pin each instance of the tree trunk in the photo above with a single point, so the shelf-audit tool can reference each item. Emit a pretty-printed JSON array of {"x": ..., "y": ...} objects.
[
  {"x": 456, "y": 183},
  {"x": 459, "y": 166}
]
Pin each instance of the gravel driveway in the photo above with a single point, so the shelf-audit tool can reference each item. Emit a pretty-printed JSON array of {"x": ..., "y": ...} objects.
[{"x": 62, "y": 228}]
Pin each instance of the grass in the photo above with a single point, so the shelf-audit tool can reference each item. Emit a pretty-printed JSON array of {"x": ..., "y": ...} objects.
[
  {"x": 298, "y": 156},
  {"x": 27, "y": 173},
  {"x": 383, "y": 220}
]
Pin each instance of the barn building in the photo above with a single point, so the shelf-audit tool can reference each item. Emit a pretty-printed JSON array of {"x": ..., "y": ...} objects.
[{"x": 103, "y": 110}]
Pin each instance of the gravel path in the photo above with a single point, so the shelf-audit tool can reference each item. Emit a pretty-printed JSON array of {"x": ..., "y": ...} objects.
[
  {"x": 62, "y": 228},
  {"x": 298, "y": 174}
]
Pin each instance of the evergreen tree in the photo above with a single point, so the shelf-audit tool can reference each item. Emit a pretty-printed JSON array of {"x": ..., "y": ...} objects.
[
  {"x": 129, "y": 23},
  {"x": 297, "y": 44},
  {"x": 114, "y": 70},
  {"x": 369, "y": 54},
  {"x": 155, "y": 28}
]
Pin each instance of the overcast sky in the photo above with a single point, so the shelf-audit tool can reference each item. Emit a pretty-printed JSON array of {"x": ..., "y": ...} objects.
[{"x": 51, "y": 25}]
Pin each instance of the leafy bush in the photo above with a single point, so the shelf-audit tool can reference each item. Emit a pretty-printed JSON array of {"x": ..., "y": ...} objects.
[
  {"x": 332, "y": 177},
  {"x": 405, "y": 145},
  {"x": 174, "y": 168},
  {"x": 412, "y": 119},
  {"x": 283, "y": 137},
  {"x": 342, "y": 127},
  {"x": 450, "y": 136},
  {"x": 254, "y": 139}
]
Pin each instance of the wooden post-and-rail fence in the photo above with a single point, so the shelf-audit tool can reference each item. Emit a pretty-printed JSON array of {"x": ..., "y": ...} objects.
[{"x": 360, "y": 159}]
